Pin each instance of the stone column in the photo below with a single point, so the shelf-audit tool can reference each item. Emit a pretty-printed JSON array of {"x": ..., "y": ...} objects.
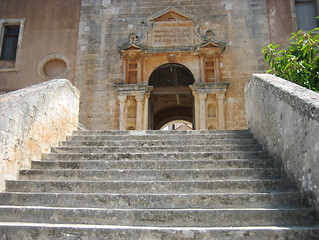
[
  {"x": 145, "y": 118},
  {"x": 197, "y": 114},
  {"x": 122, "y": 99},
  {"x": 139, "y": 111},
  {"x": 202, "y": 102},
  {"x": 221, "y": 111}
]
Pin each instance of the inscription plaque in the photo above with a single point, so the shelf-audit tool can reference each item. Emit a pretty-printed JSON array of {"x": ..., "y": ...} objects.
[{"x": 168, "y": 35}]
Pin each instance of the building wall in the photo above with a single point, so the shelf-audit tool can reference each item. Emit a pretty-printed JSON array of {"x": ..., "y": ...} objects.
[
  {"x": 105, "y": 25},
  {"x": 282, "y": 20},
  {"x": 88, "y": 33},
  {"x": 50, "y": 31}
]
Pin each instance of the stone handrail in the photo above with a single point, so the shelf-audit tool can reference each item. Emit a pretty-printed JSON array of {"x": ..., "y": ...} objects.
[
  {"x": 32, "y": 120},
  {"x": 284, "y": 117}
]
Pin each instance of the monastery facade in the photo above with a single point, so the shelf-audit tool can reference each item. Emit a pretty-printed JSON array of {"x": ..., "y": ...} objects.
[{"x": 140, "y": 64}]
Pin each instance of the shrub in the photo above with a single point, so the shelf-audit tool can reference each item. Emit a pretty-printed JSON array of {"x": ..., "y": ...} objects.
[{"x": 298, "y": 62}]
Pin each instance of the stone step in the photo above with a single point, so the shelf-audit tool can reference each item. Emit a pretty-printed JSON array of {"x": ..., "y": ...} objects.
[
  {"x": 176, "y": 137},
  {"x": 172, "y": 148},
  {"x": 19, "y": 230},
  {"x": 159, "y": 217},
  {"x": 155, "y": 201},
  {"x": 153, "y": 164},
  {"x": 155, "y": 185},
  {"x": 156, "y": 132},
  {"x": 164, "y": 142},
  {"x": 155, "y": 155},
  {"x": 148, "y": 175},
  {"x": 216, "y": 186}
]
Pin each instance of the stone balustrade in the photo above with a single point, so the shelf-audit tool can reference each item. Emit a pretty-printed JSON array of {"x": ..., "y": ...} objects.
[
  {"x": 284, "y": 117},
  {"x": 32, "y": 120}
]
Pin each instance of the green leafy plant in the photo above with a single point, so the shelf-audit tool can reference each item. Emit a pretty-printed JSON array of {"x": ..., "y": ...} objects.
[{"x": 298, "y": 62}]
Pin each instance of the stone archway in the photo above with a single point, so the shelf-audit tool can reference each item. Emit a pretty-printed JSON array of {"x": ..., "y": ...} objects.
[
  {"x": 171, "y": 75},
  {"x": 171, "y": 98}
]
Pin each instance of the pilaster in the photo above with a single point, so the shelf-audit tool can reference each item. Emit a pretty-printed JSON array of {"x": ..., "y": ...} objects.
[
  {"x": 145, "y": 117},
  {"x": 139, "y": 110},
  {"x": 122, "y": 99},
  {"x": 221, "y": 110},
  {"x": 141, "y": 93},
  {"x": 202, "y": 109},
  {"x": 197, "y": 113},
  {"x": 200, "y": 92}
]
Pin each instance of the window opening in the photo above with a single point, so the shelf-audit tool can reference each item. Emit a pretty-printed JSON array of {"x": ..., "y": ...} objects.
[
  {"x": 306, "y": 12},
  {"x": 210, "y": 69},
  {"x": 10, "y": 42}
]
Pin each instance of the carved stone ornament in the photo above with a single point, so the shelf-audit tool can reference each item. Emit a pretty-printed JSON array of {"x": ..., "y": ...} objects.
[{"x": 172, "y": 30}]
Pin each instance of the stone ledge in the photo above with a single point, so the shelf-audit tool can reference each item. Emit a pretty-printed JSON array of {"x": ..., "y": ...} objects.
[
  {"x": 284, "y": 118},
  {"x": 299, "y": 98},
  {"x": 33, "y": 120}
]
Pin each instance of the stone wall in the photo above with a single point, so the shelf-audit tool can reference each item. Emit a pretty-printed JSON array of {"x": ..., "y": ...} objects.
[
  {"x": 284, "y": 117},
  {"x": 105, "y": 25},
  {"x": 32, "y": 120}
]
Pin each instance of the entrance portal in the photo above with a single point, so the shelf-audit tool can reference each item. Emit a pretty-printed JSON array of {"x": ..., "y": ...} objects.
[
  {"x": 171, "y": 98},
  {"x": 148, "y": 98}
]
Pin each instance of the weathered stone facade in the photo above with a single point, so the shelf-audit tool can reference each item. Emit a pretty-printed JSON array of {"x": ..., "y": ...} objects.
[
  {"x": 106, "y": 25},
  {"x": 99, "y": 44}
]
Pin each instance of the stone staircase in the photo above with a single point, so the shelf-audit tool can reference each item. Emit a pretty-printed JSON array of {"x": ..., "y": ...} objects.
[{"x": 155, "y": 185}]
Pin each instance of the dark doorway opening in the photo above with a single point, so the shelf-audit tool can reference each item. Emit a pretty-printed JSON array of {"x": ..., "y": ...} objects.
[
  {"x": 171, "y": 98},
  {"x": 171, "y": 75}
]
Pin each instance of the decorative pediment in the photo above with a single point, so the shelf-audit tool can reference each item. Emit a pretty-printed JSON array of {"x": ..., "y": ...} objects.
[
  {"x": 210, "y": 44},
  {"x": 213, "y": 45},
  {"x": 170, "y": 14},
  {"x": 172, "y": 30},
  {"x": 132, "y": 45}
]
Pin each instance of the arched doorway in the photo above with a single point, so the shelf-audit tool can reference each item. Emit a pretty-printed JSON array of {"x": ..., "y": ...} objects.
[
  {"x": 171, "y": 75},
  {"x": 171, "y": 98}
]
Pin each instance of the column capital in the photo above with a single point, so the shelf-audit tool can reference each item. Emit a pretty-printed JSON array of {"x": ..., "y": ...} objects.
[
  {"x": 202, "y": 96},
  {"x": 195, "y": 93},
  {"x": 139, "y": 97},
  {"x": 147, "y": 95},
  {"x": 220, "y": 96},
  {"x": 139, "y": 56},
  {"x": 122, "y": 98},
  {"x": 202, "y": 55}
]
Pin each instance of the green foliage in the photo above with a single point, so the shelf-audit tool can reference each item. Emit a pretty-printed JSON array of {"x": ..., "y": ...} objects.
[{"x": 299, "y": 62}]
